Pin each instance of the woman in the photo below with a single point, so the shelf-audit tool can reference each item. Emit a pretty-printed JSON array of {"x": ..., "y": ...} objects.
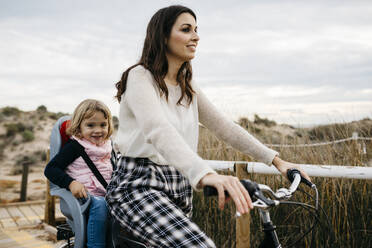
[{"x": 160, "y": 108}]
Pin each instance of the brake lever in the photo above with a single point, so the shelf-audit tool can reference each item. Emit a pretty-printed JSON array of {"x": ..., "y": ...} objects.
[
  {"x": 263, "y": 199},
  {"x": 261, "y": 204},
  {"x": 256, "y": 204},
  {"x": 283, "y": 193},
  {"x": 255, "y": 191}
]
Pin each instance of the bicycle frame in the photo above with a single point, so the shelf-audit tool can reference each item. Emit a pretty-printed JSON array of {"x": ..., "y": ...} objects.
[{"x": 271, "y": 238}]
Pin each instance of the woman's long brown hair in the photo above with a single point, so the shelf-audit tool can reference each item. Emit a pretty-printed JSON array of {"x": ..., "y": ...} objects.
[{"x": 154, "y": 54}]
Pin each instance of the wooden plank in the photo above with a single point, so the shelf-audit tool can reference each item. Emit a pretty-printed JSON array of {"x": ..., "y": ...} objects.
[
  {"x": 6, "y": 242},
  {"x": 32, "y": 212},
  {"x": 21, "y": 203},
  {"x": 19, "y": 218},
  {"x": 42, "y": 206},
  {"x": 29, "y": 214},
  {"x": 13, "y": 238},
  {"x": 39, "y": 211},
  {"x": 26, "y": 203},
  {"x": 6, "y": 219}
]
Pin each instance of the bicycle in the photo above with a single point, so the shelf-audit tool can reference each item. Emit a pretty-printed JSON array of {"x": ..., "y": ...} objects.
[{"x": 265, "y": 203}]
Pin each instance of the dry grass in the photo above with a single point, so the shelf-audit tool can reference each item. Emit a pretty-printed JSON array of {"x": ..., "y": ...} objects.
[{"x": 347, "y": 203}]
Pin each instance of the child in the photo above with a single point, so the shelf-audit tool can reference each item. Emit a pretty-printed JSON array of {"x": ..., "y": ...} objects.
[{"x": 90, "y": 127}]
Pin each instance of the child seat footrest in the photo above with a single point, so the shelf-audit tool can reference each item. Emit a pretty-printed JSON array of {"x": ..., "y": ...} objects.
[{"x": 64, "y": 232}]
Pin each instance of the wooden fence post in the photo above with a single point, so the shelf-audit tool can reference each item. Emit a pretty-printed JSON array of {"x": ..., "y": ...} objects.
[
  {"x": 23, "y": 196},
  {"x": 356, "y": 150},
  {"x": 243, "y": 222},
  {"x": 49, "y": 213}
]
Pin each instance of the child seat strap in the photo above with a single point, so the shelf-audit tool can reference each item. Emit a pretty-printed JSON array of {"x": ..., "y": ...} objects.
[{"x": 90, "y": 163}]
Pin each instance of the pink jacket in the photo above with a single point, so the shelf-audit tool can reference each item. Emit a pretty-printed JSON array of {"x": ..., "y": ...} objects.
[{"x": 100, "y": 155}]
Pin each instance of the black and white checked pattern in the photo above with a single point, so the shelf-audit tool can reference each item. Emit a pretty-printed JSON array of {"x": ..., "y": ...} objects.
[{"x": 154, "y": 203}]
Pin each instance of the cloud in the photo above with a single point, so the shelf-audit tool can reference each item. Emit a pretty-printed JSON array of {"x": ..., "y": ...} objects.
[
  {"x": 291, "y": 104},
  {"x": 290, "y": 60}
]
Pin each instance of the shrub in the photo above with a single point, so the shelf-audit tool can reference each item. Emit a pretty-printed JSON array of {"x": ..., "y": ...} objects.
[
  {"x": 9, "y": 111},
  {"x": 16, "y": 170},
  {"x": 56, "y": 116},
  {"x": 2, "y": 147},
  {"x": 21, "y": 127},
  {"x": 11, "y": 129},
  {"x": 268, "y": 123},
  {"x": 14, "y": 128},
  {"x": 41, "y": 109},
  {"x": 41, "y": 155},
  {"x": 299, "y": 133},
  {"x": 15, "y": 142},
  {"x": 28, "y": 135},
  {"x": 18, "y": 166},
  {"x": 244, "y": 122},
  {"x": 26, "y": 159},
  {"x": 53, "y": 116}
]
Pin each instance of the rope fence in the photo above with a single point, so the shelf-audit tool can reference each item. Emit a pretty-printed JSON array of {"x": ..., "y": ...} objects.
[
  {"x": 321, "y": 143},
  {"x": 353, "y": 138}
]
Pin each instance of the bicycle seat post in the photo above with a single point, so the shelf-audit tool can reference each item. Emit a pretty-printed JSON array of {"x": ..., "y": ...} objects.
[{"x": 271, "y": 238}]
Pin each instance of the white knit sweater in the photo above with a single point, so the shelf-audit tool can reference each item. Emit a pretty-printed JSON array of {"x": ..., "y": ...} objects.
[{"x": 167, "y": 133}]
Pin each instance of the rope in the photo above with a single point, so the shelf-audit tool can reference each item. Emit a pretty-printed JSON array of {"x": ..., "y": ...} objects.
[
  {"x": 309, "y": 145},
  {"x": 320, "y": 143}
]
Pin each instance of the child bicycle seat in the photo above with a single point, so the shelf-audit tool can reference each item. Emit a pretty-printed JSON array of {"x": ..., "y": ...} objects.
[{"x": 73, "y": 209}]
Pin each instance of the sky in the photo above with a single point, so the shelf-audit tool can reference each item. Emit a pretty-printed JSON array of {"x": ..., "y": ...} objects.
[{"x": 295, "y": 62}]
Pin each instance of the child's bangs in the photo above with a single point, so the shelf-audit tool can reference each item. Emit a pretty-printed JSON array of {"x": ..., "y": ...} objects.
[{"x": 94, "y": 109}]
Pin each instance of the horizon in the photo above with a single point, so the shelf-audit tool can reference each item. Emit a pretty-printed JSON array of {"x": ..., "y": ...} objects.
[
  {"x": 298, "y": 63},
  {"x": 235, "y": 120}
]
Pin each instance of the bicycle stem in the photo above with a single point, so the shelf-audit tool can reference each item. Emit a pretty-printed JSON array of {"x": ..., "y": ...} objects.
[{"x": 271, "y": 237}]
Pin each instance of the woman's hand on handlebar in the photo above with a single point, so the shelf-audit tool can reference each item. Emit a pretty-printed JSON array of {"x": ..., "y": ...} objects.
[
  {"x": 284, "y": 166},
  {"x": 235, "y": 189}
]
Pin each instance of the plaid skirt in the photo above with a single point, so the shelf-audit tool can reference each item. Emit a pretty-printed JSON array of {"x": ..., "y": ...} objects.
[{"x": 154, "y": 203}]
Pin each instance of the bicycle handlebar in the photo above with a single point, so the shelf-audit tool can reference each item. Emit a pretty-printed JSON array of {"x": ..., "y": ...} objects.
[
  {"x": 264, "y": 198},
  {"x": 256, "y": 190}
]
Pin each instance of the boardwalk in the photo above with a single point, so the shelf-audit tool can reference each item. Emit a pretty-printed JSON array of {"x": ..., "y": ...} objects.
[
  {"x": 24, "y": 213},
  {"x": 16, "y": 216},
  {"x": 15, "y": 238}
]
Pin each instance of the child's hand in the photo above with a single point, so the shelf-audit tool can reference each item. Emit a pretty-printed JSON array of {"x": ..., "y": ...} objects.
[{"x": 77, "y": 189}]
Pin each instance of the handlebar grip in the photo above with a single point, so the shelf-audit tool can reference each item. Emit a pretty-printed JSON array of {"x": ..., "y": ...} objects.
[
  {"x": 291, "y": 175},
  {"x": 252, "y": 188},
  {"x": 249, "y": 185},
  {"x": 212, "y": 191}
]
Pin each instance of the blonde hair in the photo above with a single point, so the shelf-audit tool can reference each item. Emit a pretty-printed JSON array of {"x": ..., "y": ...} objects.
[{"x": 87, "y": 109}]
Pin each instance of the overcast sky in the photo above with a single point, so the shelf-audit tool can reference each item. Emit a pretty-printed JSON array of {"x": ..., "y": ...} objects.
[{"x": 297, "y": 62}]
